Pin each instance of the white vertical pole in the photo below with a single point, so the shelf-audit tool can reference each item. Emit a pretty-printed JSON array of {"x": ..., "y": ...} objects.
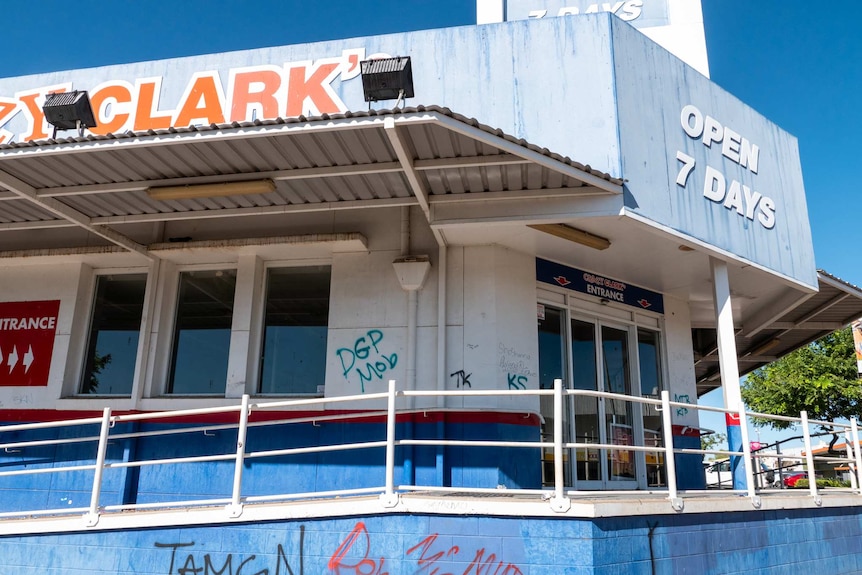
[
  {"x": 809, "y": 456},
  {"x": 850, "y": 449},
  {"x": 854, "y": 430},
  {"x": 746, "y": 449},
  {"x": 559, "y": 476},
  {"x": 390, "y": 441},
  {"x": 101, "y": 454},
  {"x": 727, "y": 362},
  {"x": 667, "y": 432},
  {"x": 489, "y": 11},
  {"x": 559, "y": 503},
  {"x": 241, "y": 432},
  {"x": 389, "y": 498}
]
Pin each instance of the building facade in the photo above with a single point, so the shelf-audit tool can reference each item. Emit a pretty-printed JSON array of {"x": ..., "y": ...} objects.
[{"x": 561, "y": 200}]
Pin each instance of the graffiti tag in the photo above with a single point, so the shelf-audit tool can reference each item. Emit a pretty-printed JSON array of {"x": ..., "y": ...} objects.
[{"x": 358, "y": 359}]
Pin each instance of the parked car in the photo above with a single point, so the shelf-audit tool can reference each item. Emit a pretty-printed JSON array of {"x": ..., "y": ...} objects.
[
  {"x": 718, "y": 473},
  {"x": 792, "y": 480}
]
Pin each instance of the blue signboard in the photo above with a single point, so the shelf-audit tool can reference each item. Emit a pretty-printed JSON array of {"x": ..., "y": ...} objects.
[{"x": 598, "y": 285}]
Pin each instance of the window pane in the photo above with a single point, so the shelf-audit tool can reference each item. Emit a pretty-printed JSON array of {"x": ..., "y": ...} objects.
[
  {"x": 618, "y": 413},
  {"x": 649, "y": 362},
  {"x": 551, "y": 348},
  {"x": 115, "y": 327},
  {"x": 586, "y": 409},
  {"x": 202, "y": 332},
  {"x": 650, "y": 373},
  {"x": 295, "y": 328}
]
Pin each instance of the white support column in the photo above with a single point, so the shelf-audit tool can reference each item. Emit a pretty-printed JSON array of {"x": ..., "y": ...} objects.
[
  {"x": 727, "y": 360},
  {"x": 728, "y": 366},
  {"x": 242, "y": 367},
  {"x": 489, "y": 11}
]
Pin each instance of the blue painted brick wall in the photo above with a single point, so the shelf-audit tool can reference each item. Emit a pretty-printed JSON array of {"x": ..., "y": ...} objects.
[{"x": 775, "y": 543}]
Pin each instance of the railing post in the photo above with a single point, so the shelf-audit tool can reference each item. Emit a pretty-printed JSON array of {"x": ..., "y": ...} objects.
[
  {"x": 854, "y": 431},
  {"x": 747, "y": 460},
  {"x": 235, "y": 506},
  {"x": 389, "y": 498},
  {"x": 559, "y": 503},
  {"x": 93, "y": 513},
  {"x": 850, "y": 450},
  {"x": 809, "y": 458},
  {"x": 670, "y": 461}
]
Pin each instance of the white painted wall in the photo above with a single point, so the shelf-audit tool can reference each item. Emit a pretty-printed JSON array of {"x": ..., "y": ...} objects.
[
  {"x": 683, "y": 37},
  {"x": 44, "y": 283},
  {"x": 490, "y": 319},
  {"x": 498, "y": 334},
  {"x": 680, "y": 360}
]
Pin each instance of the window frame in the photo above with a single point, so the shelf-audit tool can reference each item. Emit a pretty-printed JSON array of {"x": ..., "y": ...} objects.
[
  {"x": 167, "y": 346},
  {"x": 258, "y": 340}
]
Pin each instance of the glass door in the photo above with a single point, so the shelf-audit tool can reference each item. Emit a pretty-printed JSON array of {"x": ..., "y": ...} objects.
[
  {"x": 617, "y": 413},
  {"x": 593, "y": 354},
  {"x": 584, "y": 409}
]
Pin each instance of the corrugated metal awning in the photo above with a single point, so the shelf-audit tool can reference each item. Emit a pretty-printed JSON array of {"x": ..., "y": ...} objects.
[{"x": 375, "y": 158}]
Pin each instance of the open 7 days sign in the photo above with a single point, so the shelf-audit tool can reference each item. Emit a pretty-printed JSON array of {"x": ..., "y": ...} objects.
[{"x": 27, "y": 331}]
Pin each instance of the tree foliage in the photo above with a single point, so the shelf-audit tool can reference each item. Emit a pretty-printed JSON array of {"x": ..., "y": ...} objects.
[
  {"x": 820, "y": 378},
  {"x": 713, "y": 441},
  {"x": 100, "y": 362}
]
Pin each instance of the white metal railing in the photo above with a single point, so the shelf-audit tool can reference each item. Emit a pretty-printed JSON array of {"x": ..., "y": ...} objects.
[{"x": 559, "y": 497}]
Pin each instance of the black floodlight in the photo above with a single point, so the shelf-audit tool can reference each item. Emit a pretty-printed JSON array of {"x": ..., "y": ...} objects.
[
  {"x": 387, "y": 79},
  {"x": 68, "y": 111}
]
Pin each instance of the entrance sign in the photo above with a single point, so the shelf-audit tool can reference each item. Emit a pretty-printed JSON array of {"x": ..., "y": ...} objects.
[
  {"x": 27, "y": 342},
  {"x": 597, "y": 285}
]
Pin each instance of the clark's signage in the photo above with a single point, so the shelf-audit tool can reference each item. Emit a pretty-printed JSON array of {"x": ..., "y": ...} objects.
[
  {"x": 723, "y": 141},
  {"x": 27, "y": 331},
  {"x": 639, "y": 13},
  {"x": 602, "y": 287},
  {"x": 290, "y": 89}
]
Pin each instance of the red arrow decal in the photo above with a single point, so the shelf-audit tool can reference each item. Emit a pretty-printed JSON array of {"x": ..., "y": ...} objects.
[
  {"x": 562, "y": 280},
  {"x": 644, "y": 303}
]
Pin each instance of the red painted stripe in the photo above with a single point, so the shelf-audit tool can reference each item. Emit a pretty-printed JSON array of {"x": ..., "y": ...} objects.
[
  {"x": 685, "y": 431},
  {"x": 462, "y": 417}
]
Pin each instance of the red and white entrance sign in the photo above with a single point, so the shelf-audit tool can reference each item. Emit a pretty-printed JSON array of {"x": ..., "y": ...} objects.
[{"x": 27, "y": 331}]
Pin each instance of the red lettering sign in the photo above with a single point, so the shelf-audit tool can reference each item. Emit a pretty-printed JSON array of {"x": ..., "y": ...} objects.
[{"x": 27, "y": 331}]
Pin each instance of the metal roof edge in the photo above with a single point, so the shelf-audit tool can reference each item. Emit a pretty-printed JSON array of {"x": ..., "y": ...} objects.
[{"x": 61, "y": 143}]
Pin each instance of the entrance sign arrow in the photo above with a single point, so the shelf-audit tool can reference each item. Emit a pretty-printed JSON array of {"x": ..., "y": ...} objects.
[
  {"x": 28, "y": 359},
  {"x": 13, "y": 359}
]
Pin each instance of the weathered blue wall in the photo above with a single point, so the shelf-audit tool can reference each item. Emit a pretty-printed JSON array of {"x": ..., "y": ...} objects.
[
  {"x": 653, "y": 88},
  {"x": 542, "y": 81},
  {"x": 771, "y": 543},
  {"x": 590, "y": 87}
]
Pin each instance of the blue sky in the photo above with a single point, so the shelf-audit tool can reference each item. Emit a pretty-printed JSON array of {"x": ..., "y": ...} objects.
[{"x": 798, "y": 63}]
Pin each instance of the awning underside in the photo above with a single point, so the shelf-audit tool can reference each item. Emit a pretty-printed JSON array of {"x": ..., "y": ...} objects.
[
  {"x": 791, "y": 326},
  {"x": 377, "y": 158}
]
